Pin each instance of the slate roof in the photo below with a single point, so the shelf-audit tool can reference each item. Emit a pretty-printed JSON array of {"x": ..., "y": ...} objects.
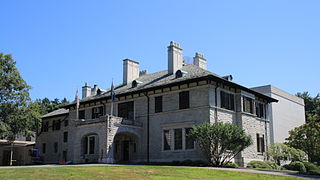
[
  {"x": 161, "y": 78},
  {"x": 56, "y": 113}
]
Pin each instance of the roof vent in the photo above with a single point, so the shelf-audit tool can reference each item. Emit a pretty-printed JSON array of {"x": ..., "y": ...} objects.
[
  {"x": 228, "y": 77},
  {"x": 135, "y": 83},
  {"x": 180, "y": 73}
]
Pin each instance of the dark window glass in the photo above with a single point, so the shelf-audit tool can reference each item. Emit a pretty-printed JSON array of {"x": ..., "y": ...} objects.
[
  {"x": 53, "y": 125},
  {"x": 158, "y": 104},
  {"x": 96, "y": 112},
  {"x": 166, "y": 140},
  {"x": 44, "y": 148},
  {"x": 65, "y": 137},
  {"x": 247, "y": 105},
  {"x": 125, "y": 110},
  {"x": 58, "y": 124},
  {"x": 85, "y": 145},
  {"x": 66, "y": 122},
  {"x": 227, "y": 100},
  {"x": 260, "y": 110},
  {"x": 55, "y": 147},
  {"x": 91, "y": 144},
  {"x": 64, "y": 155},
  {"x": 28, "y": 138},
  {"x": 177, "y": 139},
  {"x": 260, "y": 143},
  {"x": 46, "y": 126},
  {"x": 189, "y": 140},
  {"x": 82, "y": 114},
  {"x": 134, "y": 147},
  {"x": 184, "y": 100}
]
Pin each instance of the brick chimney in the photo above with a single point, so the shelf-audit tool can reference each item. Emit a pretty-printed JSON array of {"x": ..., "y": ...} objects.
[
  {"x": 175, "y": 60},
  {"x": 86, "y": 90},
  {"x": 200, "y": 61},
  {"x": 130, "y": 71}
]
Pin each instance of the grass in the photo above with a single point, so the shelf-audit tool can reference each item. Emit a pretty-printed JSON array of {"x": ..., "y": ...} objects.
[{"x": 127, "y": 172}]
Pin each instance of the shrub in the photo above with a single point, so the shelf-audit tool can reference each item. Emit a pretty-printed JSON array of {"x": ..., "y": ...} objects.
[
  {"x": 273, "y": 165},
  {"x": 296, "y": 166},
  {"x": 259, "y": 165},
  {"x": 176, "y": 163},
  {"x": 311, "y": 168},
  {"x": 187, "y": 162},
  {"x": 199, "y": 163},
  {"x": 231, "y": 165}
]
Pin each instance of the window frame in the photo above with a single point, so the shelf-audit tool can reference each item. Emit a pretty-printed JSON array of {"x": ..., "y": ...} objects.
[
  {"x": 171, "y": 143},
  {"x": 227, "y": 100},
  {"x": 158, "y": 104},
  {"x": 124, "y": 110},
  {"x": 65, "y": 136},
  {"x": 251, "y": 104},
  {"x": 184, "y": 100}
]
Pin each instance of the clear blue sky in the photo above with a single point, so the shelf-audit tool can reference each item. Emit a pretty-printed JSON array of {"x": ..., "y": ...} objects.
[{"x": 60, "y": 45}]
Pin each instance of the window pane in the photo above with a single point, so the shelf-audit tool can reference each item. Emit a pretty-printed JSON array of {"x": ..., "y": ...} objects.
[
  {"x": 189, "y": 140},
  {"x": 184, "y": 100},
  {"x": 125, "y": 110},
  {"x": 82, "y": 114},
  {"x": 65, "y": 137},
  {"x": 91, "y": 144},
  {"x": 158, "y": 104},
  {"x": 177, "y": 139},
  {"x": 166, "y": 140}
]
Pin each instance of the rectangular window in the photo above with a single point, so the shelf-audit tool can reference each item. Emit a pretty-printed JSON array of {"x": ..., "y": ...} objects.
[
  {"x": 166, "y": 140},
  {"x": 125, "y": 110},
  {"x": 158, "y": 104},
  {"x": 66, "y": 122},
  {"x": 91, "y": 144},
  {"x": 64, "y": 155},
  {"x": 96, "y": 112},
  {"x": 53, "y": 125},
  {"x": 260, "y": 143},
  {"x": 178, "y": 139},
  {"x": 189, "y": 140},
  {"x": 28, "y": 138},
  {"x": 45, "y": 126},
  {"x": 65, "y": 137},
  {"x": 43, "y": 148},
  {"x": 247, "y": 105},
  {"x": 227, "y": 100},
  {"x": 55, "y": 147},
  {"x": 82, "y": 114},
  {"x": 56, "y": 125},
  {"x": 260, "y": 110},
  {"x": 184, "y": 100}
]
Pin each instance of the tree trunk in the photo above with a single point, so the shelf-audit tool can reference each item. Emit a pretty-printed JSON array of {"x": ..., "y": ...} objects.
[{"x": 11, "y": 153}]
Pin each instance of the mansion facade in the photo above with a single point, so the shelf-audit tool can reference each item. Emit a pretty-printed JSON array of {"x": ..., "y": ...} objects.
[{"x": 150, "y": 116}]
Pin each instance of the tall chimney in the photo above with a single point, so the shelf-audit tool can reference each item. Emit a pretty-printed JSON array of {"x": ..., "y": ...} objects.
[
  {"x": 86, "y": 90},
  {"x": 200, "y": 61},
  {"x": 130, "y": 71},
  {"x": 174, "y": 57},
  {"x": 94, "y": 90}
]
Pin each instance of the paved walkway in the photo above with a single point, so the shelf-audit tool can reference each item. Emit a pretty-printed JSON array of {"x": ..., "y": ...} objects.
[{"x": 256, "y": 171}]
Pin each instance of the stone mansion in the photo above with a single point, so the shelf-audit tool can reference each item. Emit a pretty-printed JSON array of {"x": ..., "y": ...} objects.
[{"x": 150, "y": 115}]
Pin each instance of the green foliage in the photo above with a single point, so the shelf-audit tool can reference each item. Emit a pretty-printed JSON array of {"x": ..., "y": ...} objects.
[
  {"x": 281, "y": 152},
  {"x": 307, "y": 136},
  {"x": 258, "y": 165},
  {"x": 296, "y": 166},
  {"x": 231, "y": 165},
  {"x": 311, "y": 168},
  {"x": 14, "y": 98},
  {"x": 47, "y": 105},
  {"x": 220, "y": 142}
]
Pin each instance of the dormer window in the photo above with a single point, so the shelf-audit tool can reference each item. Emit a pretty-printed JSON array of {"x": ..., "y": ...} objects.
[
  {"x": 135, "y": 83},
  {"x": 180, "y": 73}
]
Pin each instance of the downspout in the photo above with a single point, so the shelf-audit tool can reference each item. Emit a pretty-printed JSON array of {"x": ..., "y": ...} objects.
[{"x": 148, "y": 128}]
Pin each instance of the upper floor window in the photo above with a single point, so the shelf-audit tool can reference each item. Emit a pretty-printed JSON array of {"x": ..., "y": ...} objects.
[
  {"x": 56, "y": 124},
  {"x": 227, "y": 100},
  {"x": 66, "y": 122},
  {"x": 158, "y": 104},
  {"x": 45, "y": 126},
  {"x": 96, "y": 112},
  {"x": 260, "y": 110},
  {"x": 184, "y": 101},
  {"x": 82, "y": 114},
  {"x": 247, "y": 105},
  {"x": 65, "y": 136},
  {"x": 126, "y": 110}
]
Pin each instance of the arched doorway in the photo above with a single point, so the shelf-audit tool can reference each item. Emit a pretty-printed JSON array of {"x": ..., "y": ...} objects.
[{"x": 125, "y": 147}]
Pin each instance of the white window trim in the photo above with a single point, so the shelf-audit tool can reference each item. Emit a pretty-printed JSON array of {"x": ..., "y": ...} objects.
[{"x": 88, "y": 143}]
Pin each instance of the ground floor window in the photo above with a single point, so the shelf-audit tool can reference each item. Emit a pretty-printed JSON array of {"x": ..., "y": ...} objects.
[
  {"x": 177, "y": 139},
  {"x": 260, "y": 143},
  {"x": 89, "y": 144}
]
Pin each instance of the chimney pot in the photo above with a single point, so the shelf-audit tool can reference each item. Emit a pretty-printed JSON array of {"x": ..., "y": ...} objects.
[
  {"x": 200, "y": 61},
  {"x": 175, "y": 60},
  {"x": 86, "y": 90}
]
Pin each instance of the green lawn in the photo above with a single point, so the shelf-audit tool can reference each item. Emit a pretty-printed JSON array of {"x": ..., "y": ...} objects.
[{"x": 127, "y": 172}]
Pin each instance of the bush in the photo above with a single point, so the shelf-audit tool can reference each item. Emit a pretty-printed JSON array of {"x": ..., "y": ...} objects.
[
  {"x": 187, "y": 162},
  {"x": 231, "y": 165},
  {"x": 259, "y": 165},
  {"x": 273, "y": 165},
  {"x": 199, "y": 163},
  {"x": 296, "y": 166},
  {"x": 176, "y": 163},
  {"x": 311, "y": 168}
]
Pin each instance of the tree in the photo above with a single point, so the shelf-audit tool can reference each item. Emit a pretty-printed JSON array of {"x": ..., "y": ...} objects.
[
  {"x": 307, "y": 136},
  {"x": 281, "y": 152},
  {"x": 14, "y": 96},
  {"x": 220, "y": 142}
]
